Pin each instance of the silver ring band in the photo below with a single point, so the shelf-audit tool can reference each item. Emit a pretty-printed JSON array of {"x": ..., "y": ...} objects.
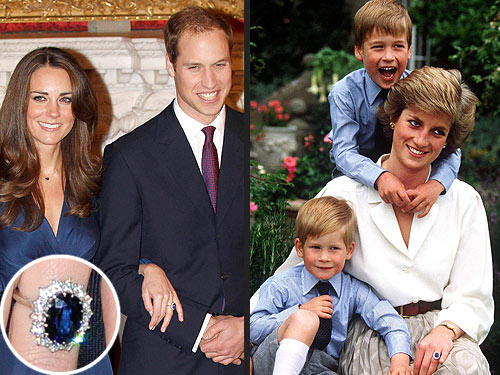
[{"x": 172, "y": 306}]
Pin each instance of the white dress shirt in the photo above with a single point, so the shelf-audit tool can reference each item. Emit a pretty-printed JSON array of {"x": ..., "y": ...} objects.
[
  {"x": 195, "y": 135},
  {"x": 196, "y": 139},
  {"x": 448, "y": 256}
]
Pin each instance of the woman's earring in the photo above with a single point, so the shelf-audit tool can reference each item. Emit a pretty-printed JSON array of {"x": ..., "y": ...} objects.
[
  {"x": 392, "y": 125},
  {"x": 445, "y": 145}
]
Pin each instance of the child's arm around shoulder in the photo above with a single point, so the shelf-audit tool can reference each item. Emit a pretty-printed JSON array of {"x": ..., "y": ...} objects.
[{"x": 444, "y": 172}]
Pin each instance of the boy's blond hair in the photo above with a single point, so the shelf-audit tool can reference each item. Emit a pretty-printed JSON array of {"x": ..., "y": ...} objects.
[
  {"x": 388, "y": 16},
  {"x": 321, "y": 216}
]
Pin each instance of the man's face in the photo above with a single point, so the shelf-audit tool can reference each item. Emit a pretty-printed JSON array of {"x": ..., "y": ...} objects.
[
  {"x": 202, "y": 74},
  {"x": 385, "y": 57}
]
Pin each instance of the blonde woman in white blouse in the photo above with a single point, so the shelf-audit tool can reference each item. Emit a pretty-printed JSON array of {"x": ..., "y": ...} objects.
[{"x": 436, "y": 270}]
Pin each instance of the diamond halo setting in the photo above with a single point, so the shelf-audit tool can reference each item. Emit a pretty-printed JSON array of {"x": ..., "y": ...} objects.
[{"x": 61, "y": 315}]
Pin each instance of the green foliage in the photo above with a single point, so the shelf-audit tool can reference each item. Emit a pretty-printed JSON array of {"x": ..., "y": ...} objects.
[
  {"x": 271, "y": 232},
  {"x": 481, "y": 152},
  {"x": 257, "y": 63},
  {"x": 328, "y": 67},
  {"x": 293, "y": 28},
  {"x": 453, "y": 24},
  {"x": 271, "y": 239},
  {"x": 314, "y": 169},
  {"x": 481, "y": 60}
]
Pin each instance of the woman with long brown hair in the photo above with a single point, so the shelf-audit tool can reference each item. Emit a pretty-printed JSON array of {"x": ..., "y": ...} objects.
[{"x": 48, "y": 174}]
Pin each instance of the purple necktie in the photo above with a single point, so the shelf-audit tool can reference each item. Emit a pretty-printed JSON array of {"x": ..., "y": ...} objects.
[{"x": 210, "y": 164}]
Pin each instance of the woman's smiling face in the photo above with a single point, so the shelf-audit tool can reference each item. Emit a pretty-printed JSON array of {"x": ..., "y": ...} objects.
[
  {"x": 419, "y": 138},
  {"x": 49, "y": 115}
]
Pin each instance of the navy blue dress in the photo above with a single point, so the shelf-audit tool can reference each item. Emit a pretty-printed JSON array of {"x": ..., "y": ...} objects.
[{"x": 75, "y": 236}]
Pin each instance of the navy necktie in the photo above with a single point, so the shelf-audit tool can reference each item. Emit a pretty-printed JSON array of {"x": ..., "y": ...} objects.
[
  {"x": 324, "y": 334},
  {"x": 210, "y": 164},
  {"x": 382, "y": 145}
]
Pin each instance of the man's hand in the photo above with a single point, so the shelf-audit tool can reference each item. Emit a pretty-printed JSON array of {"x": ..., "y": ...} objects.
[
  {"x": 321, "y": 306},
  {"x": 223, "y": 340},
  {"x": 423, "y": 197},
  {"x": 158, "y": 294},
  {"x": 392, "y": 190}
]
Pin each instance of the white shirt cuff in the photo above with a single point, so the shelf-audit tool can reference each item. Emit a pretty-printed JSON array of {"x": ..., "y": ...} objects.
[{"x": 202, "y": 331}]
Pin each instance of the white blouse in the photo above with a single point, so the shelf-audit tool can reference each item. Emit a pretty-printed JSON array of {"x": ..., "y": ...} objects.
[{"x": 448, "y": 255}]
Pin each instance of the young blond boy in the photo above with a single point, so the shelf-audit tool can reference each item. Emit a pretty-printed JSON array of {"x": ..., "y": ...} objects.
[
  {"x": 382, "y": 40},
  {"x": 298, "y": 306}
]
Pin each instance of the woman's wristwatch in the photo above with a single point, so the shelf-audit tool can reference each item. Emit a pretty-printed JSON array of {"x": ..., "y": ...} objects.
[{"x": 452, "y": 328}]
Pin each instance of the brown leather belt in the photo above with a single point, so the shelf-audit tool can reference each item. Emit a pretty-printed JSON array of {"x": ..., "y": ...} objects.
[{"x": 421, "y": 307}]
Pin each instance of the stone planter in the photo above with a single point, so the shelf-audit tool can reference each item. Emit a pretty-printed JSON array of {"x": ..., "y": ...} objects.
[{"x": 276, "y": 143}]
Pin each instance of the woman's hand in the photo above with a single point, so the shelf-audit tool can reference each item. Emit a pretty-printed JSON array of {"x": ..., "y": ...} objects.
[
  {"x": 440, "y": 340},
  {"x": 158, "y": 295}
]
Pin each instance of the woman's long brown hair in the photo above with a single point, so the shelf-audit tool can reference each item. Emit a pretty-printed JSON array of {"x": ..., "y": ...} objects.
[{"x": 19, "y": 160}]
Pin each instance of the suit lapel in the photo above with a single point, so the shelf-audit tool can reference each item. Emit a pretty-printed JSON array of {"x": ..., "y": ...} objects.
[
  {"x": 232, "y": 166},
  {"x": 179, "y": 161}
]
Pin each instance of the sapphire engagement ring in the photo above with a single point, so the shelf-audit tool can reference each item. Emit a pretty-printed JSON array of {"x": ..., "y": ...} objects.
[{"x": 61, "y": 315}]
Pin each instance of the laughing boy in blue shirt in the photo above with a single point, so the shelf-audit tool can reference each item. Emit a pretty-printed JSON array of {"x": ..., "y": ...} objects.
[{"x": 382, "y": 32}]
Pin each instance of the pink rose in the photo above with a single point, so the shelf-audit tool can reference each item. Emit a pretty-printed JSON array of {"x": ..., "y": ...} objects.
[
  {"x": 290, "y": 177},
  {"x": 289, "y": 162},
  {"x": 253, "y": 208},
  {"x": 326, "y": 139},
  {"x": 274, "y": 103},
  {"x": 253, "y": 104},
  {"x": 262, "y": 108}
]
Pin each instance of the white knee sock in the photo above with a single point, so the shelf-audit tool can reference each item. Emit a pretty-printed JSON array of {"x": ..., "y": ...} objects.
[{"x": 290, "y": 357}]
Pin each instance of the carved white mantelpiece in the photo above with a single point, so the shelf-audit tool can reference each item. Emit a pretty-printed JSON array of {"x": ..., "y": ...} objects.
[{"x": 128, "y": 75}]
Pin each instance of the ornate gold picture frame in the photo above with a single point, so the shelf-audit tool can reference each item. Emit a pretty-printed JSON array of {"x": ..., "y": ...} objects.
[{"x": 93, "y": 10}]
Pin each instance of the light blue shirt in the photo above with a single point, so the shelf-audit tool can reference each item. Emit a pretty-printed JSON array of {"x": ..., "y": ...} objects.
[
  {"x": 353, "y": 103},
  {"x": 281, "y": 295}
]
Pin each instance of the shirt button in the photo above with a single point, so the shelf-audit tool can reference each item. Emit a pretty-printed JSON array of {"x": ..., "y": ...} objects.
[{"x": 223, "y": 276}]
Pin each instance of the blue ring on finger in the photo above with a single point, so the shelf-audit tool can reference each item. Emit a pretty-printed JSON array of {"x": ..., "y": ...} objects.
[
  {"x": 173, "y": 306},
  {"x": 436, "y": 355}
]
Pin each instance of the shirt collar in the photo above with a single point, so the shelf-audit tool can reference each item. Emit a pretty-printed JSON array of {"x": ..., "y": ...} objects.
[
  {"x": 372, "y": 89},
  {"x": 192, "y": 127},
  {"x": 309, "y": 281}
]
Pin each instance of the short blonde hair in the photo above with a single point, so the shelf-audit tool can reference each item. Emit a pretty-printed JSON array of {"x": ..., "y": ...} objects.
[
  {"x": 437, "y": 91},
  {"x": 388, "y": 16},
  {"x": 320, "y": 216}
]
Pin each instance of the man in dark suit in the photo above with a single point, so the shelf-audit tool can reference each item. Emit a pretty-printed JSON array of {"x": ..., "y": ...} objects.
[{"x": 173, "y": 194}]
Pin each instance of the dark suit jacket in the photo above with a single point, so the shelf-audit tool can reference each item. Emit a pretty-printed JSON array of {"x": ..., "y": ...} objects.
[{"x": 154, "y": 205}]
